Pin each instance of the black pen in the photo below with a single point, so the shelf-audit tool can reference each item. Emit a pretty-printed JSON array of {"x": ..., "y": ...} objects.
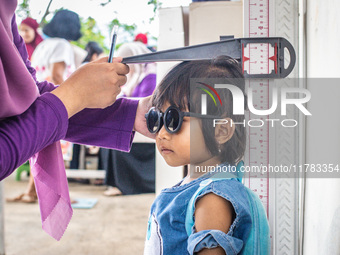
[{"x": 113, "y": 42}]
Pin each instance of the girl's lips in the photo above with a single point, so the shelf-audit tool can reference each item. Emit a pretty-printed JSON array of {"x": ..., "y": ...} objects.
[{"x": 166, "y": 150}]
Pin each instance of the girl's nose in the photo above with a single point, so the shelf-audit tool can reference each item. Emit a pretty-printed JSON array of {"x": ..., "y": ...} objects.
[{"x": 163, "y": 134}]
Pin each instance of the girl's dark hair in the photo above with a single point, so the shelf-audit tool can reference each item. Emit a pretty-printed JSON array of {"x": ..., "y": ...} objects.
[
  {"x": 92, "y": 48},
  {"x": 179, "y": 88}
]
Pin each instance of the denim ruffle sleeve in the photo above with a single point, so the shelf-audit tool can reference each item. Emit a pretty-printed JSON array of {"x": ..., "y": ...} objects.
[{"x": 214, "y": 238}]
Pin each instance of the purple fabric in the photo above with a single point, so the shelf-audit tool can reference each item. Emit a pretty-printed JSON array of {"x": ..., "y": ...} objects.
[
  {"x": 45, "y": 122},
  {"x": 108, "y": 128},
  {"x": 21, "y": 136},
  {"x": 17, "y": 88},
  {"x": 146, "y": 86},
  {"x": 31, "y": 124}
]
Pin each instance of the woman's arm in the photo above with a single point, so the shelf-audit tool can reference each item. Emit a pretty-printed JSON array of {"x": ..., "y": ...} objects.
[
  {"x": 46, "y": 119},
  {"x": 72, "y": 93},
  {"x": 111, "y": 127},
  {"x": 24, "y": 135}
]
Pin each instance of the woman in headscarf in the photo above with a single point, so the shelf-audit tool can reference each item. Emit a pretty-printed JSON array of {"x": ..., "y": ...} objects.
[
  {"x": 54, "y": 61},
  {"x": 28, "y": 31},
  {"x": 141, "y": 80},
  {"x": 34, "y": 116}
]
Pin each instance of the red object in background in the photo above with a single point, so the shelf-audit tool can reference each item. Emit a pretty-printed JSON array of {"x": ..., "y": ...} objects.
[{"x": 142, "y": 38}]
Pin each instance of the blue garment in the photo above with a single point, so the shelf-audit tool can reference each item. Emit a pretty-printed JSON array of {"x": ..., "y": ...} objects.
[{"x": 167, "y": 232}]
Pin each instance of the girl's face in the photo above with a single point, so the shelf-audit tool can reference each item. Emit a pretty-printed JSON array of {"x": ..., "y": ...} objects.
[
  {"x": 27, "y": 33},
  {"x": 185, "y": 147}
]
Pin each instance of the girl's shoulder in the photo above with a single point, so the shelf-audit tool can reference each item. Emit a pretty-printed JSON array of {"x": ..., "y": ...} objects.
[
  {"x": 230, "y": 187},
  {"x": 231, "y": 190}
]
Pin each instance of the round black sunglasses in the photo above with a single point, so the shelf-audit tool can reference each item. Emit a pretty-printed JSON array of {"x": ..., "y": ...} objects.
[{"x": 172, "y": 119}]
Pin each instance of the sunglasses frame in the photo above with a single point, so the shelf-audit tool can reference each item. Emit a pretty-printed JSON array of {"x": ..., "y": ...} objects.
[{"x": 162, "y": 117}]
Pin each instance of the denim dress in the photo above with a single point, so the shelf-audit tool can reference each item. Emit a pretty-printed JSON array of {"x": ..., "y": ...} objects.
[{"x": 168, "y": 231}]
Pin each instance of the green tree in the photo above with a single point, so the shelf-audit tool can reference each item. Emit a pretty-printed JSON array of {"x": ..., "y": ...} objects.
[
  {"x": 156, "y": 5},
  {"x": 23, "y": 9},
  {"x": 89, "y": 28},
  {"x": 90, "y": 32}
]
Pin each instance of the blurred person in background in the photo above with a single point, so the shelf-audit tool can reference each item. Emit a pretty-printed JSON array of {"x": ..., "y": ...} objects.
[
  {"x": 141, "y": 80},
  {"x": 94, "y": 51},
  {"x": 134, "y": 172},
  {"x": 143, "y": 38},
  {"x": 28, "y": 31},
  {"x": 54, "y": 58}
]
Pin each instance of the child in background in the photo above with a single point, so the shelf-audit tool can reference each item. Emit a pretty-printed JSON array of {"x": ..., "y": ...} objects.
[
  {"x": 206, "y": 213},
  {"x": 94, "y": 51}
]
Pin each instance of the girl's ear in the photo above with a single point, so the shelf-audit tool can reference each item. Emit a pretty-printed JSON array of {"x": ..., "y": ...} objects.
[{"x": 223, "y": 132}]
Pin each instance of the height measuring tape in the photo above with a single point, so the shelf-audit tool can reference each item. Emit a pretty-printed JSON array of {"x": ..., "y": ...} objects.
[
  {"x": 266, "y": 18},
  {"x": 259, "y": 59}
]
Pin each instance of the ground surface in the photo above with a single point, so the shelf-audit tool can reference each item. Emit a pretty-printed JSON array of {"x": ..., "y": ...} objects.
[{"x": 116, "y": 225}]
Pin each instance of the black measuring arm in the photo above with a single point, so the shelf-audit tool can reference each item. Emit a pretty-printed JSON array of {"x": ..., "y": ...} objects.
[{"x": 233, "y": 47}]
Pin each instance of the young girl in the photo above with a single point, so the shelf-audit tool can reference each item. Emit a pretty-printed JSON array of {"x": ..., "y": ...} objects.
[{"x": 209, "y": 211}]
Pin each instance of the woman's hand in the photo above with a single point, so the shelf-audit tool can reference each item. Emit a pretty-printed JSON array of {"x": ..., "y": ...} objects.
[
  {"x": 94, "y": 85},
  {"x": 144, "y": 106}
]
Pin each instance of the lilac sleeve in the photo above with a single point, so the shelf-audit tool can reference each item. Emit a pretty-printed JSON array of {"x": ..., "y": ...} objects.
[
  {"x": 110, "y": 127},
  {"x": 24, "y": 135}
]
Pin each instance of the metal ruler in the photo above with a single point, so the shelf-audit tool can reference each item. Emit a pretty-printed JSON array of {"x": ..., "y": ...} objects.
[
  {"x": 280, "y": 196},
  {"x": 258, "y": 23}
]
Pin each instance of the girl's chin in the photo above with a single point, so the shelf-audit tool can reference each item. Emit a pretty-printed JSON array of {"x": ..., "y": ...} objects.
[{"x": 173, "y": 163}]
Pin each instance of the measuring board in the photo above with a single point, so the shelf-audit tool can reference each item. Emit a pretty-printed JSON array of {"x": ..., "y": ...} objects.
[
  {"x": 280, "y": 196},
  {"x": 259, "y": 60}
]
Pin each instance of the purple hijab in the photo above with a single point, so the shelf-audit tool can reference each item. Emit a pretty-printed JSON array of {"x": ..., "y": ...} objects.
[
  {"x": 17, "y": 87},
  {"x": 18, "y": 91}
]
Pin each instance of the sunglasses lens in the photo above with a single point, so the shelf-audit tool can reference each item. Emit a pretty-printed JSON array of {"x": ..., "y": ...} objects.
[
  {"x": 172, "y": 120},
  {"x": 153, "y": 121}
]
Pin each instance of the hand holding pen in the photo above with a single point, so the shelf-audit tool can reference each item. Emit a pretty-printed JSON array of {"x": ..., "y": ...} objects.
[{"x": 94, "y": 85}]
